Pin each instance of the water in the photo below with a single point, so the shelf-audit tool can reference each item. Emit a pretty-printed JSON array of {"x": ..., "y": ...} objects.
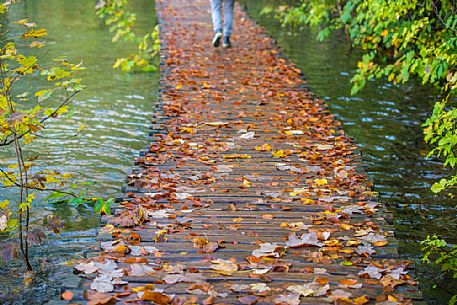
[
  {"x": 385, "y": 121},
  {"x": 115, "y": 108}
]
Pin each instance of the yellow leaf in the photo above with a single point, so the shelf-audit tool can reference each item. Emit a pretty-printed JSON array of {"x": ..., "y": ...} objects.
[
  {"x": 264, "y": 147},
  {"x": 278, "y": 154},
  {"x": 361, "y": 300},
  {"x": 35, "y": 33},
  {"x": 320, "y": 181},
  {"x": 346, "y": 226},
  {"x": 246, "y": 183},
  {"x": 188, "y": 130}
]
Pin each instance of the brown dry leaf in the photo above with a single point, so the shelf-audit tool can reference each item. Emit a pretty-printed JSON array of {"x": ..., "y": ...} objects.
[
  {"x": 156, "y": 297},
  {"x": 131, "y": 260},
  {"x": 200, "y": 242},
  {"x": 97, "y": 298},
  {"x": 209, "y": 300},
  {"x": 380, "y": 243},
  {"x": 119, "y": 249},
  {"x": 322, "y": 280},
  {"x": 200, "y": 288},
  {"x": 348, "y": 282}
]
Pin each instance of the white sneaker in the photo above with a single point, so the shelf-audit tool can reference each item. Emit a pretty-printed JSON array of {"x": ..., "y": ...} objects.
[{"x": 217, "y": 40}]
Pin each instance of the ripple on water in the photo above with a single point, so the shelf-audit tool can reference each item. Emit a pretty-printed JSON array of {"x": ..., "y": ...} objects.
[{"x": 115, "y": 109}]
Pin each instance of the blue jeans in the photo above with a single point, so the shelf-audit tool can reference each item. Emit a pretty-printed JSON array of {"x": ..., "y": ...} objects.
[{"x": 216, "y": 8}]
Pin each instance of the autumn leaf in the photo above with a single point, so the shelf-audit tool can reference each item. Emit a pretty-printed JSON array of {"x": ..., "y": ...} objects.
[
  {"x": 236, "y": 156},
  {"x": 287, "y": 299},
  {"x": 362, "y": 300},
  {"x": 67, "y": 295},
  {"x": 200, "y": 242},
  {"x": 248, "y": 300},
  {"x": 155, "y": 297},
  {"x": 96, "y": 298},
  {"x": 268, "y": 250},
  {"x": 264, "y": 147},
  {"x": 306, "y": 240},
  {"x": 321, "y": 181},
  {"x": 278, "y": 154},
  {"x": 225, "y": 267}
]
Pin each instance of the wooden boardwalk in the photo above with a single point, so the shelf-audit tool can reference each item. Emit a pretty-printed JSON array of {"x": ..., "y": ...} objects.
[{"x": 249, "y": 193}]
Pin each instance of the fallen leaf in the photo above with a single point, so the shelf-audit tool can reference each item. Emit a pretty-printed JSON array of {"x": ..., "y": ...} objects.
[
  {"x": 140, "y": 270},
  {"x": 248, "y": 300},
  {"x": 287, "y": 299},
  {"x": 225, "y": 267},
  {"x": 156, "y": 297},
  {"x": 96, "y": 298},
  {"x": 305, "y": 240},
  {"x": 361, "y": 300},
  {"x": 268, "y": 250},
  {"x": 217, "y": 124},
  {"x": 67, "y": 296},
  {"x": 248, "y": 136},
  {"x": 87, "y": 268},
  {"x": 340, "y": 294}
]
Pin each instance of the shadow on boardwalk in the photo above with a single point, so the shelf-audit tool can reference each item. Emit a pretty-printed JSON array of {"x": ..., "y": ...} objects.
[{"x": 249, "y": 192}]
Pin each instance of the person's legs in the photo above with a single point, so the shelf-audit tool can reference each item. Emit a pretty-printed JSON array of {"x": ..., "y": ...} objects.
[
  {"x": 228, "y": 17},
  {"x": 228, "y": 21},
  {"x": 216, "y": 9}
]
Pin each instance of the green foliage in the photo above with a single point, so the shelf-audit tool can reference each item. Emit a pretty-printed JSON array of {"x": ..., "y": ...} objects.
[
  {"x": 401, "y": 40},
  {"x": 122, "y": 22},
  {"x": 438, "y": 252},
  {"x": 22, "y": 118}
]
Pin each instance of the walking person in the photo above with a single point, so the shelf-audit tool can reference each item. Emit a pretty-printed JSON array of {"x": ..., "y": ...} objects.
[{"x": 216, "y": 8}]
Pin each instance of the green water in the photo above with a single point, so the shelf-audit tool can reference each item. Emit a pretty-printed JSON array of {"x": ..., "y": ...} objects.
[
  {"x": 115, "y": 108},
  {"x": 385, "y": 122}
]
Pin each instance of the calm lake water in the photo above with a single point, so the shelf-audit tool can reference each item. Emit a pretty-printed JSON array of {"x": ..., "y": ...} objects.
[
  {"x": 385, "y": 121},
  {"x": 115, "y": 108}
]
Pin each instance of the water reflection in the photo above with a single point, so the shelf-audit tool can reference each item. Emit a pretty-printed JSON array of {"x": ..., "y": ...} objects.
[{"x": 115, "y": 110}]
